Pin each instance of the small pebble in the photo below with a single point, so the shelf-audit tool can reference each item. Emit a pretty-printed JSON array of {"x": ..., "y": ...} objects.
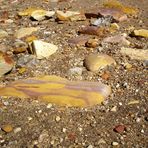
[
  {"x": 7, "y": 128},
  {"x": 90, "y": 146},
  {"x": 49, "y": 105},
  {"x": 115, "y": 143},
  {"x": 114, "y": 109},
  {"x": 16, "y": 130},
  {"x": 64, "y": 130},
  {"x": 58, "y": 118}
]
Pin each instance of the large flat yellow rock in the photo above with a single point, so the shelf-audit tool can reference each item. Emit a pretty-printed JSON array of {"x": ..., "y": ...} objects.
[{"x": 58, "y": 90}]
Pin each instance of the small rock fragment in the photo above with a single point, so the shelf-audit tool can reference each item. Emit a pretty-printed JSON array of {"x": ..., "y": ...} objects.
[
  {"x": 70, "y": 15},
  {"x": 103, "y": 21},
  {"x": 114, "y": 109},
  {"x": 28, "y": 11},
  {"x": 141, "y": 33},
  {"x": 133, "y": 102},
  {"x": 25, "y": 32},
  {"x": 3, "y": 33},
  {"x": 41, "y": 14},
  {"x": 115, "y": 143},
  {"x": 17, "y": 130},
  {"x": 92, "y": 43},
  {"x": 137, "y": 54},
  {"x": 93, "y": 30},
  {"x": 58, "y": 118},
  {"x": 95, "y": 62},
  {"x": 7, "y": 128},
  {"x": 43, "y": 49},
  {"x": 6, "y": 63},
  {"x": 120, "y": 39},
  {"x": 75, "y": 71},
  {"x": 119, "y": 128},
  {"x": 106, "y": 75},
  {"x": 80, "y": 40}
]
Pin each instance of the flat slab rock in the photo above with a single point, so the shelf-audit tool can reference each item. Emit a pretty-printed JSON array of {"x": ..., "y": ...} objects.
[{"x": 58, "y": 90}]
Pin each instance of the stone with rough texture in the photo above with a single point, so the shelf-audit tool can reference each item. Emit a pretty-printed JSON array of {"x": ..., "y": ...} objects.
[
  {"x": 141, "y": 33},
  {"x": 58, "y": 90},
  {"x": 43, "y": 49},
  {"x": 94, "y": 62},
  {"x": 70, "y": 15},
  {"x": 137, "y": 54},
  {"x": 41, "y": 14},
  {"x": 6, "y": 63},
  {"x": 25, "y": 32},
  {"x": 118, "y": 39}
]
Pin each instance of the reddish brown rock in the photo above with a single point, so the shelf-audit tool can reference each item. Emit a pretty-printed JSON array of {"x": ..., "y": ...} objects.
[
  {"x": 92, "y": 30},
  {"x": 119, "y": 128},
  {"x": 80, "y": 40}
]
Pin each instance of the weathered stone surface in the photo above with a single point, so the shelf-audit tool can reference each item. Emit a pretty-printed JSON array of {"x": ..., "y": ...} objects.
[
  {"x": 28, "y": 11},
  {"x": 70, "y": 15},
  {"x": 118, "y": 39},
  {"x": 6, "y": 63},
  {"x": 141, "y": 32},
  {"x": 80, "y": 40},
  {"x": 94, "y": 62},
  {"x": 43, "y": 49},
  {"x": 25, "y": 32},
  {"x": 138, "y": 54},
  {"x": 93, "y": 30},
  {"x": 58, "y": 90},
  {"x": 41, "y": 14}
]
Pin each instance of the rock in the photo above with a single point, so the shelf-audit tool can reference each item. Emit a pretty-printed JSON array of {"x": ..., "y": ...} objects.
[
  {"x": 114, "y": 109},
  {"x": 137, "y": 54},
  {"x": 58, "y": 118},
  {"x": 7, "y": 128},
  {"x": 49, "y": 105},
  {"x": 57, "y": 90},
  {"x": 106, "y": 75},
  {"x": 27, "y": 61},
  {"x": 141, "y": 33},
  {"x": 70, "y": 15},
  {"x": 80, "y": 40},
  {"x": 103, "y": 21},
  {"x": 94, "y": 62},
  {"x": 115, "y": 143},
  {"x": 101, "y": 141},
  {"x": 133, "y": 102},
  {"x": 119, "y": 128},
  {"x": 17, "y": 130},
  {"x": 93, "y": 30},
  {"x": 75, "y": 71},
  {"x": 41, "y": 14},
  {"x": 3, "y": 33},
  {"x": 25, "y": 32},
  {"x": 90, "y": 146},
  {"x": 92, "y": 43},
  {"x": 28, "y": 11},
  {"x": 43, "y": 49},
  {"x": 117, "y": 14},
  {"x": 119, "y": 39},
  {"x": 19, "y": 50},
  {"x": 6, "y": 63},
  {"x": 145, "y": 63}
]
